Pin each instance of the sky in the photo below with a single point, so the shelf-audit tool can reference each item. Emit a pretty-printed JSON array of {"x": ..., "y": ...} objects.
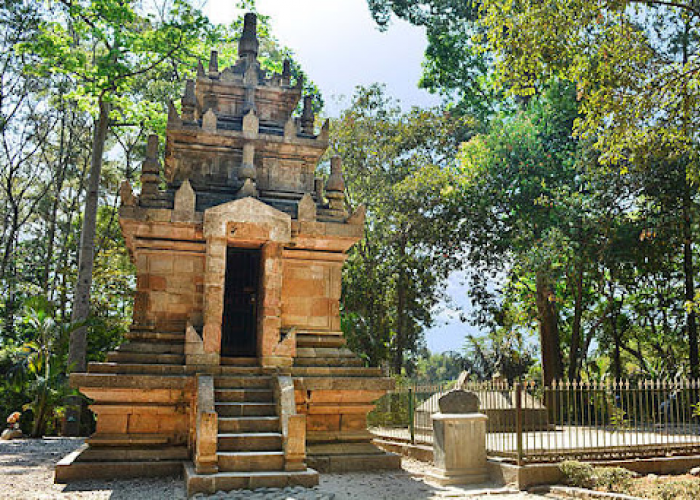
[{"x": 339, "y": 46}]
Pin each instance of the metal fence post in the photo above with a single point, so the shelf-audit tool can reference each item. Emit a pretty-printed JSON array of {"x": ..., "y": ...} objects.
[
  {"x": 411, "y": 416},
  {"x": 519, "y": 420}
]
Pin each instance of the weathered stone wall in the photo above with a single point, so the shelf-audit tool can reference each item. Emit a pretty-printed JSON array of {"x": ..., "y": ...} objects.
[
  {"x": 169, "y": 264},
  {"x": 311, "y": 287}
]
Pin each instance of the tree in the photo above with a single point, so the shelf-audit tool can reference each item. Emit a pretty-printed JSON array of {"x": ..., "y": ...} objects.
[
  {"x": 105, "y": 45},
  {"x": 454, "y": 65},
  {"x": 517, "y": 198},
  {"x": 394, "y": 276}
]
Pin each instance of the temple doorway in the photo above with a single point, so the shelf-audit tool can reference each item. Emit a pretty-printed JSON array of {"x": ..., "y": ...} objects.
[{"x": 239, "y": 326}]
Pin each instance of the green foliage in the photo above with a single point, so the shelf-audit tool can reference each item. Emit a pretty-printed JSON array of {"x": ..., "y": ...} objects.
[
  {"x": 433, "y": 368},
  {"x": 454, "y": 66},
  {"x": 33, "y": 374},
  {"x": 578, "y": 474},
  {"x": 392, "y": 410},
  {"x": 634, "y": 65},
  {"x": 397, "y": 164},
  {"x": 583, "y": 475},
  {"x": 669, "y": 489}
]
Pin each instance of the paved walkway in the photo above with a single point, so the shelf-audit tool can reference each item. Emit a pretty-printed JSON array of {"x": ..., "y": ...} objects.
[{"x": 26, "y": 472}]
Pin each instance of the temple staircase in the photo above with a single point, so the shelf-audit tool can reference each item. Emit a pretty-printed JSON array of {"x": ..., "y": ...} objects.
[{"x": 250, "y": 442}]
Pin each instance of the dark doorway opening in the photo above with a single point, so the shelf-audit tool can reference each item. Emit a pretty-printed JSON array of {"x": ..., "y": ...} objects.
[{"x": 239, "y": 326}]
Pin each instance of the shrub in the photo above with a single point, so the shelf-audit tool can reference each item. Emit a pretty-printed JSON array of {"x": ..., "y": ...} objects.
[
  {"x": 578, "y": 474},
  {"x": 584, "y": 475},
  {"x": 613, "y": 478},
  {"x": 676, "y": 489}
]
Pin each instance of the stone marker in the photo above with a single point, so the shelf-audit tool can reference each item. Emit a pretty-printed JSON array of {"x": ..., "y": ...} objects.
[
  {"x": 459, "y": 401},
  {"x": 459, "y": 440}
]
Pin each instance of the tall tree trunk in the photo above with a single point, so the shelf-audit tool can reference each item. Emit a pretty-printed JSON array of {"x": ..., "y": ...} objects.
[
  {"x": 8, "y": 264},
  {"x": 51, "y": 230},
  {"x": 688, "y": 271},
  {"x": 400, "y": 344},
  {"x": 549, "y": 331},
  {"x": 77, "y": 349},
  {"x": 575, "y": 349},
  {"x": 81, "y": 300}
]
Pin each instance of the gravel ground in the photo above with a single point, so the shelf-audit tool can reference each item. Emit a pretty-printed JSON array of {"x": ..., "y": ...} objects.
[{"x": 26, "y": 472}]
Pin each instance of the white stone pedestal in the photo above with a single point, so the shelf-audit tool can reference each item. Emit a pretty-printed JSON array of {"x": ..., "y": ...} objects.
[{"x": 459, "y": 449}]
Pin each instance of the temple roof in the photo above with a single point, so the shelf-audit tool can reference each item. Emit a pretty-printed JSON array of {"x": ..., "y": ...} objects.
[{"x": 237, "y": 136}]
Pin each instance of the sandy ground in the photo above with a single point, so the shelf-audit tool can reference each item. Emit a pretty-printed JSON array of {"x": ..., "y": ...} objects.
[{"x": 26, "y": 472}]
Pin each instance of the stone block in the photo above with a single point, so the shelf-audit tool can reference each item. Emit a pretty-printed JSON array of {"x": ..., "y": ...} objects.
[
  {"x": 160, "y": 264},
  {"x": 143, "y": 423},
  {"x": 459, "y": 401},
  {"x": 323, "y": 422},
  {"x": 353, "y": 422},
  {"x": 112, "y": 423},
  {"x": 459, "y": 449}
]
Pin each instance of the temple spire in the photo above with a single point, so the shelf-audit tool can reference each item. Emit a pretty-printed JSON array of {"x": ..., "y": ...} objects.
[
  {"x": 248, "y": 44},
  {"x": 307, "y": 116}
]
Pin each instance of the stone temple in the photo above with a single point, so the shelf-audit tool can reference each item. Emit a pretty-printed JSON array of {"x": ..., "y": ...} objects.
[{"x": 235, "y": 368}]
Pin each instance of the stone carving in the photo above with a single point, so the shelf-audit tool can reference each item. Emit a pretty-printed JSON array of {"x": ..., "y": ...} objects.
[
  {"x": 248, "y": 189},
  {"x": 459, "y": 402},
  {"x": 248, "y": 44},
  {"x": 286, "y": 73},
  {"x": 290, "y": 130},
  {"x": 174, "y": 119},
  {"x": 200, "y": 69},
  {"x": 335, "y": 186},
  {"x": 150, "y": 170},
  {"x": 251, "y": 125},
  {"x": 358, "y": 216},
  {"x": 209, "y": 121},
  {"x": 247, "y": 170},
  {"x": 335, "y": 182},
  {"x": 127, "y": 195},
  {"x": 325, "y": 131},
  {"x": 306, "y": 210},
  {"x": 185, "y": 202},
  {"x": 189, "y": 101},
  {"x": 214, "y": 64},
  {"x": 307, "y": 116}
]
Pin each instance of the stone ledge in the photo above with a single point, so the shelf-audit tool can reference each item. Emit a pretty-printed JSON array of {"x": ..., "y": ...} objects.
[
  {"x": 352, "y": 462},
  {"x": 226, "y": 481},
  {"x": 129, "y": 381},
  {"x": 70, "y": 468}
]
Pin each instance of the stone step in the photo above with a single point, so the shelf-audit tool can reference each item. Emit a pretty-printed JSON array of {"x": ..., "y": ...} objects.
[
  {"x": 325, "y": 352},
  {"x": 132, "y": 453},
  {"x": 327, "y": 371},
  {"x": 331, "y": 362},
  {"x": 244, "y": 394},
  {"x": 227, "y": 481},
  {"x": 152, "y": 347},
  {"x": 149, "y": 336},
  {"x": 249, "y": 424},
  {"x": 127, "y": 440},
  {"x": 240, "y": 370},
  {"x": 250, "y": 461},
  {"x": 314, "y": 340},
  {"x": 134, "y": 368},
  {"x": 239, "y": 361},
  {"x": 250, "y": 441},
  {"x": 246, "y": 409},
  {"x": 229, "y": 381},
  {"x": 145, "y": 358}
]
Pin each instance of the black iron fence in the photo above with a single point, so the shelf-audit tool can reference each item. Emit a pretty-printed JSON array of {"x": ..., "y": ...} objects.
[{"x": 529, "y": 422}]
